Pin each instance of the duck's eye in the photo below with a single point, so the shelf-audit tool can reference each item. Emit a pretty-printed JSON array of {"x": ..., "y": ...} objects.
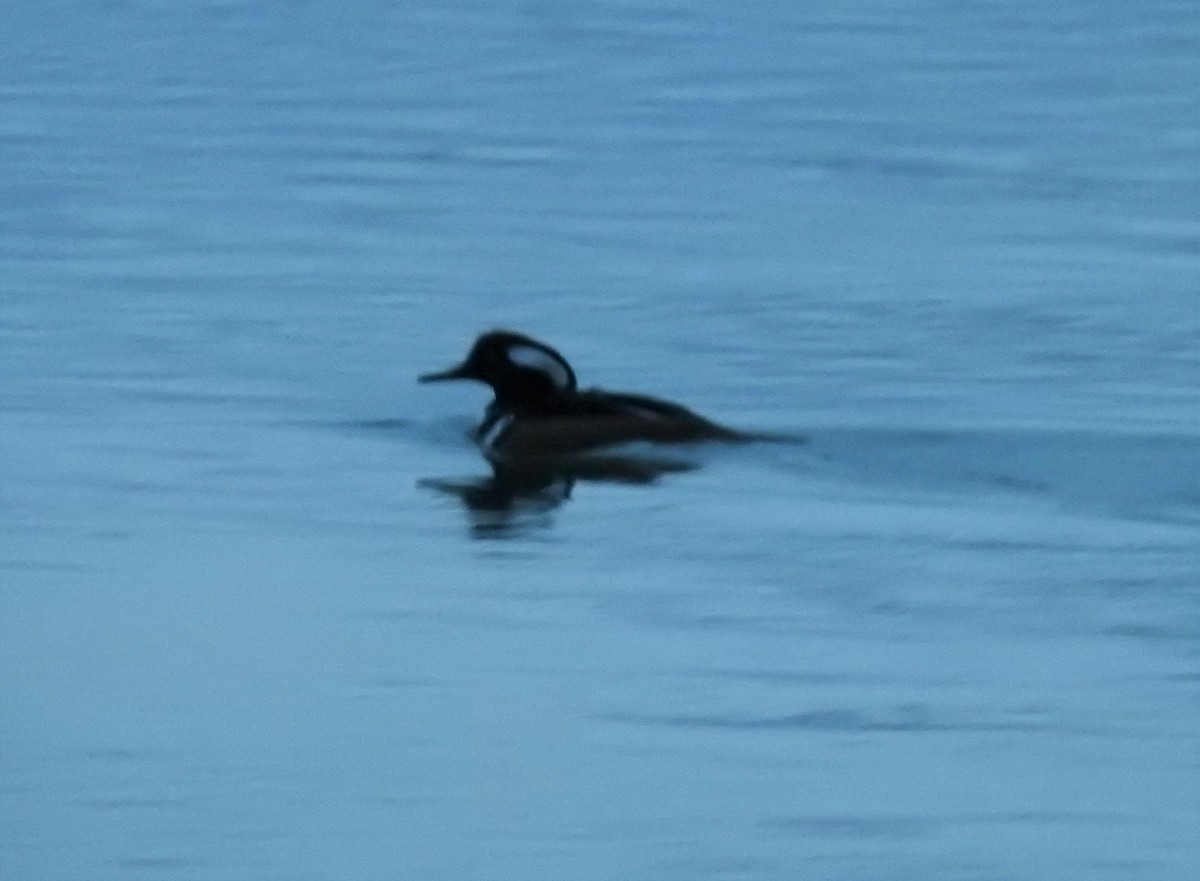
[{"x": 543, "y": 362}]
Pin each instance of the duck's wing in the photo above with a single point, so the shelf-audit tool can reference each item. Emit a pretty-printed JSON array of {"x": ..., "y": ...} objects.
[
  {"x": 594, "y": 418},
  {"x": 677, "y": 421}
]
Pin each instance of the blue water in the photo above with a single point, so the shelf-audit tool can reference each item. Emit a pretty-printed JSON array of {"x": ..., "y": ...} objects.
[{"x": 249, "y": 629}]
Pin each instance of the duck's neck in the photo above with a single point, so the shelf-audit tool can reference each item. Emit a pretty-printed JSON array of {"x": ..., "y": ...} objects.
[{"x": 526, "y": 400}]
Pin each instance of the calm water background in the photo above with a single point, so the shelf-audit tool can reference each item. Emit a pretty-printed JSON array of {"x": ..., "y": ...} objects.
[{"x": 955, "y": 635}]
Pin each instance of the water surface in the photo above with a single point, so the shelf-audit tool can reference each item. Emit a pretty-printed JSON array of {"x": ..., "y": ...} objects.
[{"x": 954, "y": 633}]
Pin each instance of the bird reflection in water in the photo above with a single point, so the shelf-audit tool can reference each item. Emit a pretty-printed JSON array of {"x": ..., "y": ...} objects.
[{"x": 520, "y": 495}]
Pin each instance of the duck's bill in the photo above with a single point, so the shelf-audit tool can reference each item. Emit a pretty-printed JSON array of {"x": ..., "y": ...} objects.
[{"x": 459, "y": 372}]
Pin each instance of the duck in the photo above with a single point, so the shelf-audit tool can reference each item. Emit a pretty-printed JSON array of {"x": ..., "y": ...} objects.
[{"x": 540, "y": 412}]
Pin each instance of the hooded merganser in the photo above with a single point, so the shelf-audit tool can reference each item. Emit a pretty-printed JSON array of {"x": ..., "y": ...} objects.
[{"x": 539, "y": 411}]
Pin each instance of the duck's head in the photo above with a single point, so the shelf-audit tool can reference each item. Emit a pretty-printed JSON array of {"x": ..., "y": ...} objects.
[{"x": 524, "y": 373}]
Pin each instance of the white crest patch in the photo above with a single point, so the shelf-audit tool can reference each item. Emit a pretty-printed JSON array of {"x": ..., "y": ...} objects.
[{"x": 543, "y": 362}]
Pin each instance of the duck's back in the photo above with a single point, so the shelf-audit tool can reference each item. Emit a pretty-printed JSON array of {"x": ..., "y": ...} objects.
[{"x": 595, "y": 418}]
